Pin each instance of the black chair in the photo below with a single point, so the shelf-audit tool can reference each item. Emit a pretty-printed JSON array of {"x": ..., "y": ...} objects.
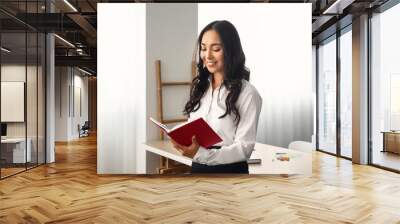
[{"x": 84, "y": 130}]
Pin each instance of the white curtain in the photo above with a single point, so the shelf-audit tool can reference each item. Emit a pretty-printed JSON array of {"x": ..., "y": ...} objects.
[
  {"x": 278, "y": 53},
  {"x": 121, "y": 88}
]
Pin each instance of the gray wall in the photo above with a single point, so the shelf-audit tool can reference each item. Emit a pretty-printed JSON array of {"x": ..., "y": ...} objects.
[{"x": 171, "y": 32}]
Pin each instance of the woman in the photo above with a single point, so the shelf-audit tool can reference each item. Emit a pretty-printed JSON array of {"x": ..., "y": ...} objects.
[{"x": 222, "y": 95}]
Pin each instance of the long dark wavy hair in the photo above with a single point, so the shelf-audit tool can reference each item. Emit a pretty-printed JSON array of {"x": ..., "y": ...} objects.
[{"x": 234, "y": 69}]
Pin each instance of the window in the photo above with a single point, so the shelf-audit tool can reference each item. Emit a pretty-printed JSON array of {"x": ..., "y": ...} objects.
[
  {"x": 346, "y": 92},
  {"x": 395, "y": 102},
  {"x": 385, "y": 88},
  {"x": 327, "y": 96}
]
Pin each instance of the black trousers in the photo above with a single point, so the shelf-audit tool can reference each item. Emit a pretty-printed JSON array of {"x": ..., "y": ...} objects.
[{"x": 239, "y": 167}]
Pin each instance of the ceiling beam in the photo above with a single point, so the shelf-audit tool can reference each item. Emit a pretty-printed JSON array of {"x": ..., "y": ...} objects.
[
  {"x": 321, "y": 20},
  {"x": 85, "y": 61},
  {"x": 84, "y": 24},
  {"x": 337, "y": 6}
]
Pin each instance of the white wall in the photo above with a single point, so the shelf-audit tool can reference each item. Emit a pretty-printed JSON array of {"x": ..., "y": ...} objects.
[
  {"x": 81, "y": 108},
  {"x": 68, "y": 81},
  {"x": 61, "y": 103},
  {"x": 121, "y": 89},
  {"x": 16, "y": 73},
  {"x": 33, "y": 127}
]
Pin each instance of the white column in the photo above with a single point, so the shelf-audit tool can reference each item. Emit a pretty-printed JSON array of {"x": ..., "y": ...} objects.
[
  {"x": 50, "y": 99},
  {"x": 360, "y": 90}
]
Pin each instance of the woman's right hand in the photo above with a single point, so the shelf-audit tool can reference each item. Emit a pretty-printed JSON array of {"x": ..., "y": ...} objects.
[{"x": 188, "y": 151}]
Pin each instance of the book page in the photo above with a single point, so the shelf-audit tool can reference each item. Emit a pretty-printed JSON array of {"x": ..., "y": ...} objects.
[
  {"x": 179, "y": 125},
  {"x": 162, "y": 126}
]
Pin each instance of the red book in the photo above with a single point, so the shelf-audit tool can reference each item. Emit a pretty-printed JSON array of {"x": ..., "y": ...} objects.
[{"x": 183, "y": 134}]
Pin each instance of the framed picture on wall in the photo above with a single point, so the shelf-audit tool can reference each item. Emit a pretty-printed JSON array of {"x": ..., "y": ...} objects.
[{"x": 12, "y": 101}]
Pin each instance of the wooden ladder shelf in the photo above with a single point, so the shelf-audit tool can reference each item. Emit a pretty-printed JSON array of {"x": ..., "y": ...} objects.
[{"x": 168, "y": 166}]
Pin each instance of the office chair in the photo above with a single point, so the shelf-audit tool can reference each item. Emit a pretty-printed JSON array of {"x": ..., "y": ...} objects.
[{"x": 84, "y": 130}]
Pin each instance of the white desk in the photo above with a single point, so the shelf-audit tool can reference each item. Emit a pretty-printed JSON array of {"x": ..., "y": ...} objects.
[
  {"x": 19, "y": 149},
  {"x": 165, "y": 149},
  {"x": 300, "y": 162}
]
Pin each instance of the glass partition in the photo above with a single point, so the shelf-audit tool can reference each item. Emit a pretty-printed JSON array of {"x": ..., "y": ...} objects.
[
  {"x": 32, "y": 95},
  {"x": 22, "y": 77},
  {"x": 13, "y": 105}
]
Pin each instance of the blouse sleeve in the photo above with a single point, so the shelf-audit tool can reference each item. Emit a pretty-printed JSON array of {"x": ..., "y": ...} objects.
[{"x": 245, "y": 137}]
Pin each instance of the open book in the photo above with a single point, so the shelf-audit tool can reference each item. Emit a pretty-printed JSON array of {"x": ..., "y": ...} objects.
[{"x": 183, "y": 133}]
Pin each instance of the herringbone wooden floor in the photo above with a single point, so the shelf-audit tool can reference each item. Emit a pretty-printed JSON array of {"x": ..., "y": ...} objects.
[{"x": 70, "y": 191}]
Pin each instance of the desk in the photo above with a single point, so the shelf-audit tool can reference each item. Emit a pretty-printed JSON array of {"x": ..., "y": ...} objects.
[
  {"x": 391, "y": 141},
  {"x": 165, "y": 149},
  {"x": 300, "y": 162},
  {"x": 17, "y": 151}
]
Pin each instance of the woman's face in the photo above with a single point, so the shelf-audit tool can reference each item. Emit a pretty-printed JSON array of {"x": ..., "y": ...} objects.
[{"x": 211, "y": 52}]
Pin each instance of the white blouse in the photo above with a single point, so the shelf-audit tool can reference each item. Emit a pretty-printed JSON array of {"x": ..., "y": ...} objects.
[{"x": 237, "y": 140}]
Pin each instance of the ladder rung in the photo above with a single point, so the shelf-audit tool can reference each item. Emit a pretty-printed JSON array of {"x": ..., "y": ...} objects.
[
  {"x": 175, "y": 83},
  {"x": 170, "y": 121}
]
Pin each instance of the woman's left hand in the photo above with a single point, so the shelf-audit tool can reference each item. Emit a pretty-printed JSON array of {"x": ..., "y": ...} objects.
[{"x": 188, "y": 151}]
